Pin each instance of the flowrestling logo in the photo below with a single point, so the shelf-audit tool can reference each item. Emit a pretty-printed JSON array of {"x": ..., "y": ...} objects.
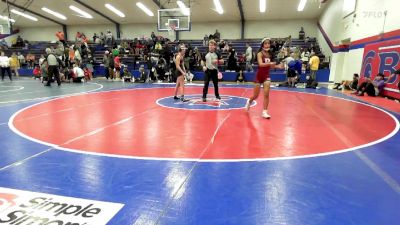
[
  {"x": 195, "y": 102},
  {"x": 30, "y": 208}
]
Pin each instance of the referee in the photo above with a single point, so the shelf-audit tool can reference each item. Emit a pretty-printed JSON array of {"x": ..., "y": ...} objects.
[
  {"x": 52, "y": 68},
  {"x": 210, "y": 67}
]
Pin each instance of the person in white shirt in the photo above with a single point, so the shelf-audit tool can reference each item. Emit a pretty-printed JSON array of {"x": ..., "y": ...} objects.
[
  {"x": 249, "y": 57},
  {"x": 79, "y": 74},
  {"x": 5, "y": 66}
]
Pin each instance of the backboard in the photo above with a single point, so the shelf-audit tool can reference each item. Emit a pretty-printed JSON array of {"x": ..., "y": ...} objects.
[{"x": 168, "y": 18}]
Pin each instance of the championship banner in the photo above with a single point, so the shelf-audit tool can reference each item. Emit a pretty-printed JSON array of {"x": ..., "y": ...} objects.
[{"x": 383, "y": 57}]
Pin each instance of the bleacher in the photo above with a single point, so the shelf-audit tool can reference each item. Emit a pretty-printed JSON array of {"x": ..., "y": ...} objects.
[{"x": 134, "y": 61}]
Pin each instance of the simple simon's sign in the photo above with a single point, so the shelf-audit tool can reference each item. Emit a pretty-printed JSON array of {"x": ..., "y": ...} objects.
[{"x": 30, "y": 208}]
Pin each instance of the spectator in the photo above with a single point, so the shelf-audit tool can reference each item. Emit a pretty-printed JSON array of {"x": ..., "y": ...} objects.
[
  {"x": 41, "y": 59},
  {"x": 37, "y": 73},
  {"x": 240, "y": 77},
  {"x": 117, "y": 65},
  {"x": 205, "y": 40},
  {"x": 21, "y": 59},
  {"x": 30, "y": 59},
  {"x": 88, "y": 74},
  {"x": 61, "y": 37},
  {"x": 5, "y": 66},
  {"x": 20, "y": 42},
  {"x": 14, "y": 64},
  {"x": 95, "y": 38},
  {"x": 249, "y": 57},
  {"x": 109, "y": 39},
  {"x": 314, "y": 65},
  {"x": 302, "y": 34},
  {"x": 128, "y": 76},
  {"x": 77, "y": 56},
  {"x": 232, "y": 61},
  {"x": 372, "y": 88},
  {"x": 102, "y": 38},
  {"x": 349, "y": 85},
  {"x": 106, "y": 64},
  {"x": 217, "y": 36},
  {"x": 79, "y": 74}
]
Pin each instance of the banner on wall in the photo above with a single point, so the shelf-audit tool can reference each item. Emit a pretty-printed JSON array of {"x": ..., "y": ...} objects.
[{"x": 383, "y": 57}]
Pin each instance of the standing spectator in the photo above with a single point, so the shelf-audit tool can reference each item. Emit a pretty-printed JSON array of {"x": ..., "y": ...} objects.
[
  {"x": 61, "y": 37},
  {"x": 52, "y": 68},
  {"x": 302, "y": 34},
  {"x": 109, "y": 38},
  {"x": 102, "y": 38},
  {"x": 77, "y": 56},
  {"x": 106, "y": 64},
  {"x": 249, "y": 57},
  {"x": 20, "y": 42},
  {"x": 314, "y": 65},
  {"x": 21, "y": 59},
  {"x": 14, "y": 64},
  {"x": 30, "y": 58},
  {"x": 232, "y": 61},
  {"x": 217, "y": 36},
  {"x": 205, "y": 40},
  {"x": 94, "y": 38},
  {"x": 5, "y": 66},
  {"x": 117, "y": 65},
  {"x": 41, "y": 59}
]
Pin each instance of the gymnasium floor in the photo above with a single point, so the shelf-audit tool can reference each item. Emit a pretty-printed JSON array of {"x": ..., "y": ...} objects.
[{"x": 323, "y": 158}]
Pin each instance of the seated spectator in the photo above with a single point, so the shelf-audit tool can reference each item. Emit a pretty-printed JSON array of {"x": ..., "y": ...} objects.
[
  {"x": 349, "y": 85},
  {"x": 127, "y": 76},
  {"x": 189, "y": 77},
  {"x": 37, "y": 73},
  {"x": 240, "y": 77},
  {"x": 143, "y": 75},
  {"x": 88, "y": 74},
  {"x": 78, "y": 74},
  {"x": 311, "y": 83},
  {"x": 372, "y": 88}
]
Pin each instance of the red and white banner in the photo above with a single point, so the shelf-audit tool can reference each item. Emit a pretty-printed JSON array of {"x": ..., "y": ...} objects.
[{"x": 383, "y": 57}]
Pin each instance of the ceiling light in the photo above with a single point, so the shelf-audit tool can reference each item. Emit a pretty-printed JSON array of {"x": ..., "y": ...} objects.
[
  {"x": 114, "y": 10},
  {"x": 184, "y": 9},
  {"x": 218, "y": 6},
  {"x": 145, "y": 9},
  {"x": 56, "y": 14},
  {"x": 81, "y": 12},
  {"x": 24, "y": 15},
  {"x": 263, "y": 6},
  {"x": 301, "y": 6}
]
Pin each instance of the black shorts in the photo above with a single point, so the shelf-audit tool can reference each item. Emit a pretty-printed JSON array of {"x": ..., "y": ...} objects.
[
  {"x": 178, "y": 73},
  {"x": 291, "y": 73}
]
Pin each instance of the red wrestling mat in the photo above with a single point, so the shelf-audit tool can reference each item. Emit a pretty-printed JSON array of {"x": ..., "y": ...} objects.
[{"x": 131, "y": 123}]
